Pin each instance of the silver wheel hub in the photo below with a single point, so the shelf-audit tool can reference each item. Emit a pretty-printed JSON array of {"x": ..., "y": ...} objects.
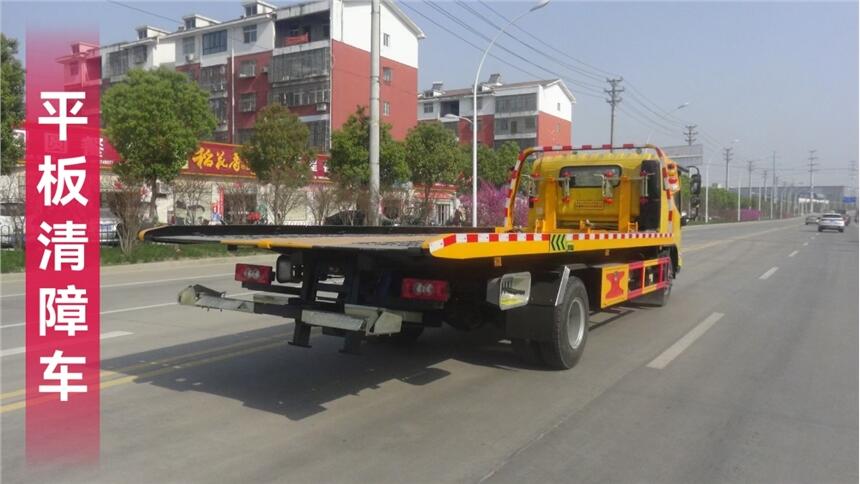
[{"x": 575, "y": 323}]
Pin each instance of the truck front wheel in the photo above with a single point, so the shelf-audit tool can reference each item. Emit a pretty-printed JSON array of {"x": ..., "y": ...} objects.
[{"x": 569, "y": 328}]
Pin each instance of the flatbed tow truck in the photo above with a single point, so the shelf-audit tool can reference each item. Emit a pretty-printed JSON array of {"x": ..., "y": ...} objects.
[{"x": 604, "y": 227}]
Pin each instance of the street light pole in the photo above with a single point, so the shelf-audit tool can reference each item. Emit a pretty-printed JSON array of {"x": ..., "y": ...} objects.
[{"x": 538, "y": 5}]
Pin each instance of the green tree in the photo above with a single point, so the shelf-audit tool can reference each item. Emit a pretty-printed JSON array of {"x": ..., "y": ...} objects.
[
  {"x": 155, "y": 120},
  {"x": 433, "y": 156},
  {"x": 278, "y": 153},
  {"x": 350, "y": 154},
  {"x": 498, "y": 170},
  {"x": 11, "y": 105}
]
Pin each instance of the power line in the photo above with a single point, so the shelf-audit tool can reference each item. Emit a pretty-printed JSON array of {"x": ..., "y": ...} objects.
[
  {"x": 542, "y": 52},
  {"x": 600, "y": 72},
  {"x": 502, "y": 47}
]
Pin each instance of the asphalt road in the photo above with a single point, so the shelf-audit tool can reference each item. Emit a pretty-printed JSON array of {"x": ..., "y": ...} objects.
[{"x": 750, "y": 374}]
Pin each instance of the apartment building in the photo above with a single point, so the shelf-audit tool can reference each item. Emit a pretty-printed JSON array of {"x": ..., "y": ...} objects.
[
  {"x": 312, "y": 57},
  {"x": 529, "y": 113}
]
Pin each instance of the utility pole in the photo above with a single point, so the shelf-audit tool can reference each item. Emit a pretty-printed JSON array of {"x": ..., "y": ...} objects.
[
  {"x": 727, "y": 153},
  {"x": 812, "y": 165},
  {"x": 853, "y": 166},
  {"x": 739, "y": 196},
  {"x": 614, "y": 100},
  {"x": 690, "y": 134},
  {"x": 773, "y": 187},
  {"x": 373, "y": 208},
  {"x": 749, "y": 184},
  {"x": 774, "y": 196},
  {"x": 761, "y": 189}
]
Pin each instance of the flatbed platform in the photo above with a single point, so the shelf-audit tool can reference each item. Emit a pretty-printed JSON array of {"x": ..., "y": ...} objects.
[{"x": 438, "y": 242}]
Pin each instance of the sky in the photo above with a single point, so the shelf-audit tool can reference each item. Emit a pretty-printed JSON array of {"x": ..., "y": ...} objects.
[{"x": 758, "y": 76}]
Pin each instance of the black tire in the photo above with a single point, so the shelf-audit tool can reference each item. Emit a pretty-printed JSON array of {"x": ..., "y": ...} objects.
[
  {"x": 527, "y": 351},
  {"x": 820, "y": 229},
  {"x": 569, "y": 328},
  {"x": 408, "y": 335},
  {"x": 841, "y": 230}
]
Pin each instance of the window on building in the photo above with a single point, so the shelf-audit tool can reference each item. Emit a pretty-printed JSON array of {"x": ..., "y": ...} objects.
[
  {"x": 318, "y": 134},
  {"x": 517, "y": 103},
  {"x": 558, "y": 107},
  {"x": 213, "y": 78},
  {"x": 215, "y": 42},
  {"x": 480, "y": 103},
  {"x": 301, "y": 94},
  {"x": 188, "y": 47},
  {"x": 386, "y": 74},
  {"x": 428, "y": 108},
  {"x": 189, "y": 23},
  {"x": 299, "y": 65},
  {"x": 138, "y": 54},
  {"x": 219, "y": 109},
  {"x": 386, "y": 108},
  {"x": 517, "y": 125},
  {"x": 250, "y": 10},
  {"x": 248, "y": 102},
  {"x": 249, "y": 34},
  {"x": 74, "y": 69},
  {"x": 118, "y": 63},
  {"x": 141, "y": 34},
  {"x": 386, "y": 40},
  {"x": 245, "y": 135},
  {"x": 248, "y": 68}
]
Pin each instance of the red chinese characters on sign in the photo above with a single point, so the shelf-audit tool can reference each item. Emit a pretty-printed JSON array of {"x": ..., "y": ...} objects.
[{"x": 62, "y": 354}]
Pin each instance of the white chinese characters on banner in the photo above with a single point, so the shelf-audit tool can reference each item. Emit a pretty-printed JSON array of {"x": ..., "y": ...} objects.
[
  {"x": 57, "y": 369},
  {"x": 68, "y": 242},
  {"x": 60, "y": 115},
  {"x": 63, "y": 310},
  {"x": 66, "y": 185}
]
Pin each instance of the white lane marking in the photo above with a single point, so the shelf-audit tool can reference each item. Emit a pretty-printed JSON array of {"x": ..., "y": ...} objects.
[
  {"x": 793, "y": 254},
  {"x": 682, "y": 344},
  {"x": 768, "y": 273},
  {"x": 136, "y": 308},
  {"x": 143, "y": 283},
  {"x": 22, "y": 349}
]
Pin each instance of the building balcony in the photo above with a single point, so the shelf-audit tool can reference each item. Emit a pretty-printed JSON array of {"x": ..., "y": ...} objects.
[{"x": 300, "y": 47}]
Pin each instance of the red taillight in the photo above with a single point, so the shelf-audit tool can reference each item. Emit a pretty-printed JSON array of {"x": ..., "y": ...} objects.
[
  {"x": 424, "y": 289},
  {"x": 253, "y": 273}
]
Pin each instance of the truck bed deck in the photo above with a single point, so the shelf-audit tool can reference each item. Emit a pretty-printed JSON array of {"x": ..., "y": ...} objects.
[{"x": 440, "y": 242}]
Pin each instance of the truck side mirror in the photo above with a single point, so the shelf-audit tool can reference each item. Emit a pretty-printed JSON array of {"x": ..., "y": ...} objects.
[{"x": 695, "y": 184}]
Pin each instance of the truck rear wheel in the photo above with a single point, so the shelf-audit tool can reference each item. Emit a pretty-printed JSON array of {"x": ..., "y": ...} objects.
[{"x": 569, "y": 328}]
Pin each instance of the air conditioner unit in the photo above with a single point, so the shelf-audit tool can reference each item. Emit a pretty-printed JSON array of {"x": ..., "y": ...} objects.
[
  {"x": 189, "y": 57},
  {"x": 265, "y": 70},
  {"x": 322, "y": 107}
]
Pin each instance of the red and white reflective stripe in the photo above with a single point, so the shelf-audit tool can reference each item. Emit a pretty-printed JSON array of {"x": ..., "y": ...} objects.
[{"x": 473, "y": 238}]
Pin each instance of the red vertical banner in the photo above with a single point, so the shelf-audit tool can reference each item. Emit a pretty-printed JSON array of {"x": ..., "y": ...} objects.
[{"x": 62, "y": 247}]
